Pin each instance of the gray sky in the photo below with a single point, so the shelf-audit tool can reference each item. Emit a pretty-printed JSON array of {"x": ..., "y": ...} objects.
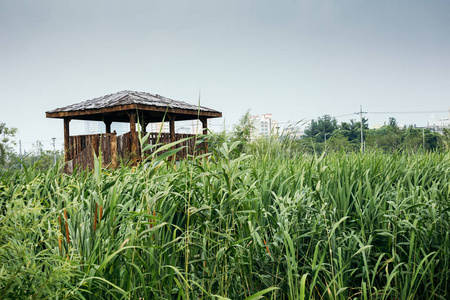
[{"x": 294, "y": 59}]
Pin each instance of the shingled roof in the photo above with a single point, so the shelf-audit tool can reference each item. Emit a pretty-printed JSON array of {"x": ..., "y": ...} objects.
[{"x": 153, "y": 106}]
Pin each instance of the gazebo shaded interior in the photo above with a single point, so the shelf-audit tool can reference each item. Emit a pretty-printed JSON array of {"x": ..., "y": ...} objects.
[{"x": 130, "y": 107}]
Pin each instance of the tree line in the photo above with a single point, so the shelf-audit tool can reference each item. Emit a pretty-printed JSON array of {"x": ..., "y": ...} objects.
[
  {"x": 325, "y": 134},
  {"x": 321, "y": 135},
  {"x": 38, "y": 157}
]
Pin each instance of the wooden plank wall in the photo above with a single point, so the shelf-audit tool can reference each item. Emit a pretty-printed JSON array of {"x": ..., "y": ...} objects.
[
  {"x": 118, "y": 148},
  {"x": 124, "y": 147},
  {"x": 82, "y": 147},
  {"x": 188, "y": 146}
]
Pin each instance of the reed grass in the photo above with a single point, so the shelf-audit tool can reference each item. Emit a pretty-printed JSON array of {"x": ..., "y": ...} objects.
[{"x": 270, "y": 223}]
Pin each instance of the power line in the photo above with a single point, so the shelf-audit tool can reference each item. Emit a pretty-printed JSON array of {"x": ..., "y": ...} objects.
[
  {"x": 347, "y": 115},
  {"x": 406, "y": 112}
]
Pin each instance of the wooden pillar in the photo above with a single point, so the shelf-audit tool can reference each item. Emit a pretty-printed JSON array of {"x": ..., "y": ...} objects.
[
  {"x": 205, "y": 125},
  {"x": 172, "y": 132},
  {"x": 114, "y": 159},
  {"x": 108, "y": 125},
  {"x": 134, "y": 138},
  {"x": 95, "y": 142},
  {"x": 66, "y": 140},
  {"x": 142, "y": 124},
  {"x": 205, "y": 132},
  {"x": 172, "y": 128}
]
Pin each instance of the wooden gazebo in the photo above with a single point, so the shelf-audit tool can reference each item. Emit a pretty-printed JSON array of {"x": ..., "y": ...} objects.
[{"x": 130, "y": 107}]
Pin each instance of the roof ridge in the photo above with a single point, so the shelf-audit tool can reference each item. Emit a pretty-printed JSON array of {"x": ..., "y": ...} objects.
[{"x": 126, "y": 97}]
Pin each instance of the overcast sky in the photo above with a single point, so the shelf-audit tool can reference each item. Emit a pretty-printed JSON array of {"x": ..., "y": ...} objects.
[{"x": 295, "y": 59}]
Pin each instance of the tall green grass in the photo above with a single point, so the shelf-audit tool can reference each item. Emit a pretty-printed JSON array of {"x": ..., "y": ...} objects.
[{"x": 270, "y": 223}]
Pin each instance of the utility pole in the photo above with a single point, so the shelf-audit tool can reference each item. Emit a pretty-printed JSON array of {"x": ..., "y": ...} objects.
[
  {"x": 423, "y": 138},
  {"x": 360, "y": 113},
  {"x": 54, "y": 150}
]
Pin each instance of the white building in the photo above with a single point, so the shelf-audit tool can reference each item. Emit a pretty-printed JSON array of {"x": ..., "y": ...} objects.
[{"x": 263, "y": 126}]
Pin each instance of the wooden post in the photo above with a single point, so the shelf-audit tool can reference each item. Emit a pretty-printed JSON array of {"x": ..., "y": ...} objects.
[
  {"x": 205, "y": 131},
  {"x": 108, "y": 125},
  {"x": 142, "y": 125},
  {"x": 172, "y": 128},
  {"x": 205, "y": 125},
  {"x": 114, "y": 150},
  {"x": 134, "y": 138},
  {"x": 172, "y": 132},
  {"x": 66, "y": 140},
  {"x": 95, "y": 142}
]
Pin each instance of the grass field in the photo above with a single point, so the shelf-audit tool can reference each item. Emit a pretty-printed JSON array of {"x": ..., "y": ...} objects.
[{"x": 272, "y": 223}]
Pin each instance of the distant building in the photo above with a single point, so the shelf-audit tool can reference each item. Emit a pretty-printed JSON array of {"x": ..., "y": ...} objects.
[
  {"x": 263, "y": 126},
  {"x": 439, "y": 124}
]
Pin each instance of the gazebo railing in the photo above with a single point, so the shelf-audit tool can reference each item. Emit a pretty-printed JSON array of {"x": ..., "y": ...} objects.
[
  {"x": 82, "y": 148},
  {"x": 115, "y": 148},
  {"x": 188, "y": 146}
]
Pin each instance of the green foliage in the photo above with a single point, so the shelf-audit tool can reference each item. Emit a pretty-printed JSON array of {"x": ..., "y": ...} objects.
[
  {"x": 6, "y": 138},
  {"x": 38, "y": 158},
  {"x": 216, "y": 140},
  {"x": 324, "y": 125},
  {"x": 240, "y": 135},
  {"x": 31, "y": 267},
  {"x": 272, "y": 223},
  {"x": 352, "y": 130},
  {"x": 242, "y": 131},
  {"x": 338, "y": 142},
  {"x": 389, "y": 138},
  {"x": 446, "y": 138},
  {"x": 393, "y": 123}
]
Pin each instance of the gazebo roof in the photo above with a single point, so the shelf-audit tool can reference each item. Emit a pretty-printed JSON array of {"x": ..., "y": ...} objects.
[{"x": 115, "y": 107}]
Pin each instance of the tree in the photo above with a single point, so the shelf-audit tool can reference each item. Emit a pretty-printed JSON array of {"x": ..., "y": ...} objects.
[
  {"x": 432, "y": 140},
  {"x": 446, "y": 138},
  {"x": 387, "y": 138},
  {"x": 352, "y": 130},
  {"x": 413, "y": 139},
  {"x": 38, "y": 158},
  {"x": 6, "y": 139},
  {"x": 393, "y": 123},
  {"x": 338, "y": 142},
  {"x": 324, "y": 125},
  {"x": 242, "y": 131}
]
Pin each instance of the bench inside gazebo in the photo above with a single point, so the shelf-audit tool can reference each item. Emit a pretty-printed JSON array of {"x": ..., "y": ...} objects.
[{"x": 130, "y": 107}]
